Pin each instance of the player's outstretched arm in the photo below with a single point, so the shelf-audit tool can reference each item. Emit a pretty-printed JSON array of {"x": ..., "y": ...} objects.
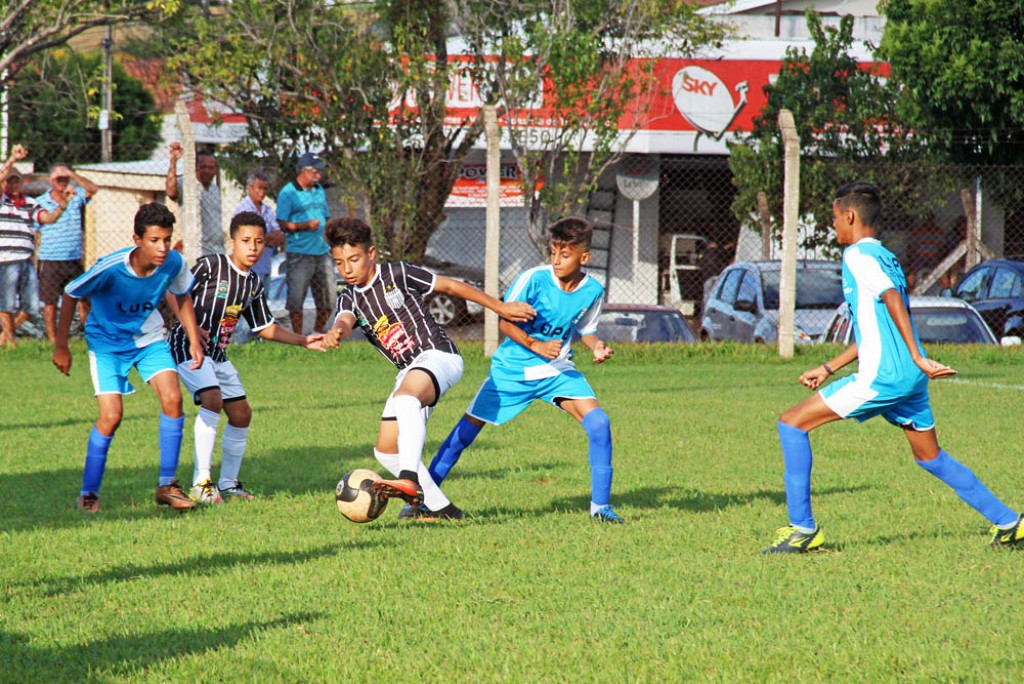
[
  {"x": 187, "y": 316},
  {"x": 61, "y": 353},
  {"x": 812, "y": 379},
  {"x": 901, "y": 317},
  {"x": 602, "y": 352},
  {"x": 276, "y": 333},
  {"x": 512, "y": 311},
  {"x": 341, "y": 329}
]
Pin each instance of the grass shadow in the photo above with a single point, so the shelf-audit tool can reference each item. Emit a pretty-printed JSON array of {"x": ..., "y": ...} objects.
[
  {"x": 124, "y": 656},
  {"x": 694, "y": 500},
  {"x": 193, "y": 566}
]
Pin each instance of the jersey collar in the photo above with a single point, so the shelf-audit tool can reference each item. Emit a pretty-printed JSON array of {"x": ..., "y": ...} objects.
[
  {"x": 374, "y": 279},
  {"x": 554, "y": 280}
]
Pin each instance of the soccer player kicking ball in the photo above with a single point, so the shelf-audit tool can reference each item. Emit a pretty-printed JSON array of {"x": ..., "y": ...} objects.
[
  {"x": 124, "y": 329},
  {"x": 891, "y": 381},
  {"x": 534, "y": 361},
  {"x": 386, "y": 302},
  {"x": 224, "y": 289}
]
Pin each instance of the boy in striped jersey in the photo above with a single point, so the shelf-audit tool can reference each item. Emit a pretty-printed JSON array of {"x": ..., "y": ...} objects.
[
  {"x": 535, "y": 361},
  {"x": 226, "y": 288},
  {"x": 386, "y": 302},
  {"x": 891, "y": 381},
  {"x": 125, "y": 330}
]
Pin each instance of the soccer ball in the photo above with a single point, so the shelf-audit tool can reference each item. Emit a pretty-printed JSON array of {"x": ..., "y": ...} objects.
[{"x": 356, "y": 497}]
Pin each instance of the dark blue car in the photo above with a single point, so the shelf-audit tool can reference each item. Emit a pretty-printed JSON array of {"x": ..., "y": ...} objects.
[{"x": 996, "y": 289}]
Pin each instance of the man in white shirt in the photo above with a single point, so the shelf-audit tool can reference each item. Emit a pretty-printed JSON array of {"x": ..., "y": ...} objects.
[{"x": 209, "y": 196}]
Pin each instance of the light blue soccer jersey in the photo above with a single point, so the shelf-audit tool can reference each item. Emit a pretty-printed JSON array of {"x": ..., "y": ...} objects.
[
  {"x": 869, "y": 269},
  {"x": 561, "y": 315},
  {"x": 124, "y": 314}
]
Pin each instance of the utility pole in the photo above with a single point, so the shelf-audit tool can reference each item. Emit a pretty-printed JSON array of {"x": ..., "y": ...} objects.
[{"x": 108, "y": 95}]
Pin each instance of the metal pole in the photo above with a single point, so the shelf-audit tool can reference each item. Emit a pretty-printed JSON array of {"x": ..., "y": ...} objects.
[
  {"x": 790, "y": 216},
  {"x": 493, "y": 225},
  {"x": 4, "y": 119},
  {"x": 106, "y": 138}
]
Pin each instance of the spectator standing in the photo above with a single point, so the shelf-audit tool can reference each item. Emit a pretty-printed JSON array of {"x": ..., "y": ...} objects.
[
  {"x": 209, "y": 197},
  {"x": 18, "y": 218},
  {"x": 256, "y": 187},
  {"x": 60, "y": 243},
  {"x": 302, "y": 214}
]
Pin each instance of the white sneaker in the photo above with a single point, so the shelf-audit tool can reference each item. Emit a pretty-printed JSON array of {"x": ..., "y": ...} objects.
[{"x": 205, "y": 493}]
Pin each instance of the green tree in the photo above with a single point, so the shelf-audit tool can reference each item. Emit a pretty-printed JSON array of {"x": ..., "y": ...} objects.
[
  {"x": 961, "y": 65},
  {"x": 849, "y": 127},
  {"x": 54, "y": 108},
  {"x": 369, "y": 84},
  {"x": 28, "y": 27}
]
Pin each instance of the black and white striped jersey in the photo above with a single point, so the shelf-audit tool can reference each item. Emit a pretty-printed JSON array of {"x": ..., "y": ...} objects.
[
  {"x": 391, "y": 312},
  {"x": 220, "y": 294}
]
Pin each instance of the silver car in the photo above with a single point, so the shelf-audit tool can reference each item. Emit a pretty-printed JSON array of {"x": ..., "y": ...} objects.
[{"x": 744, "y": 302}]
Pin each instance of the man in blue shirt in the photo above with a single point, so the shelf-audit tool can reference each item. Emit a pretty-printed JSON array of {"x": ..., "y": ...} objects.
[
  {"x": 891, "y": 381},
  {"x": 60, "y": 243},
  {"x": 302, "y": 214}
]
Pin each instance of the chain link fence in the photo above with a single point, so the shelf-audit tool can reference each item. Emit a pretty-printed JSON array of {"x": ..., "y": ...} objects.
[{"x": 666, "y": 249}]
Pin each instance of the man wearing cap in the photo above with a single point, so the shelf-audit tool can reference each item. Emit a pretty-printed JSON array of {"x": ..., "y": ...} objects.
[
  {"x": 60, "y": 243},
  {"x": 209, "y": 196},
  {"x": 18, "y": 218},
  {"x": 302, "y": 213}
]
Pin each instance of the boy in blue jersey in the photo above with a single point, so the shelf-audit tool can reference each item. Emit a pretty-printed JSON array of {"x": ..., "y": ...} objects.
[
  {"x": 535, "y": 362},
  {"x": 125, "y": 330},
  {"x": 891, "y": 381}
]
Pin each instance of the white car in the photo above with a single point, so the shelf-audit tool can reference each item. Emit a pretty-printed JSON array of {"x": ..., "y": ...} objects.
[
  {"x": 744, "y": 302},
  {"x": 936, "y": 319}
]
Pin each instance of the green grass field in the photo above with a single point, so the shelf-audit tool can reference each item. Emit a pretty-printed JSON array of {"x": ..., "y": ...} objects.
[{"x": 283, "y": 589}]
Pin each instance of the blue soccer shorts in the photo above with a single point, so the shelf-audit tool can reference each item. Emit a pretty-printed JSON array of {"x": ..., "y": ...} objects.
[
  {"x": 850, "y": 397},
  {"x": 499, "y": 401},
  {"x": 110, "y": 369}
]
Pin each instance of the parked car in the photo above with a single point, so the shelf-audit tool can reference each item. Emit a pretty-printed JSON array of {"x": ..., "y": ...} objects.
[
  {"x": 936, "y": 319},
  {"x": 643, "y": 323},
  {"x": 744, "y": 303},
  {"x": 996, "y": 289}
]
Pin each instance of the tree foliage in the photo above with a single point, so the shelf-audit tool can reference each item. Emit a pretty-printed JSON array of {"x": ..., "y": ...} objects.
[
  {"x": 848, "y": 122},
  {"x": 962, "y": 67},
  {"x": 54, "y": 109},
  {"x": 592, "y": 62},
  {"x": 369, "y": 84},
  {"x": 28, "y": 27}
]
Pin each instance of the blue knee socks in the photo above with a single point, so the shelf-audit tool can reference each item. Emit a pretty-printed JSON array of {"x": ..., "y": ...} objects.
[
  {"x": 796, "y": 455},
  {"x": 599, "y": 432},
  {"x": 95, "y": 461},
  {"x": 170, "y": 447},
  {"x": 969, "y": 488},
  {"x": 461, "y": 436}
]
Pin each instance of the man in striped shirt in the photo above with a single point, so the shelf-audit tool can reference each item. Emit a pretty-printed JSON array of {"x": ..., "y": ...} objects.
[
  {"x": 386, "y": 302},
  {"x": 19, "y": 215},
  {"x": 224, "y": 289}
]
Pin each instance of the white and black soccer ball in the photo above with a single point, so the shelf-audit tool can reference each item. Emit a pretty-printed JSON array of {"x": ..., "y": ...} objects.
[{"x": 356, "y": 497}]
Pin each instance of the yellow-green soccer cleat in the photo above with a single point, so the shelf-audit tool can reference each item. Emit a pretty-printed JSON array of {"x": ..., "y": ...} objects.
[
  {"x": 791, "y": 540},
  {"x": 1012, "y": 538}
]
